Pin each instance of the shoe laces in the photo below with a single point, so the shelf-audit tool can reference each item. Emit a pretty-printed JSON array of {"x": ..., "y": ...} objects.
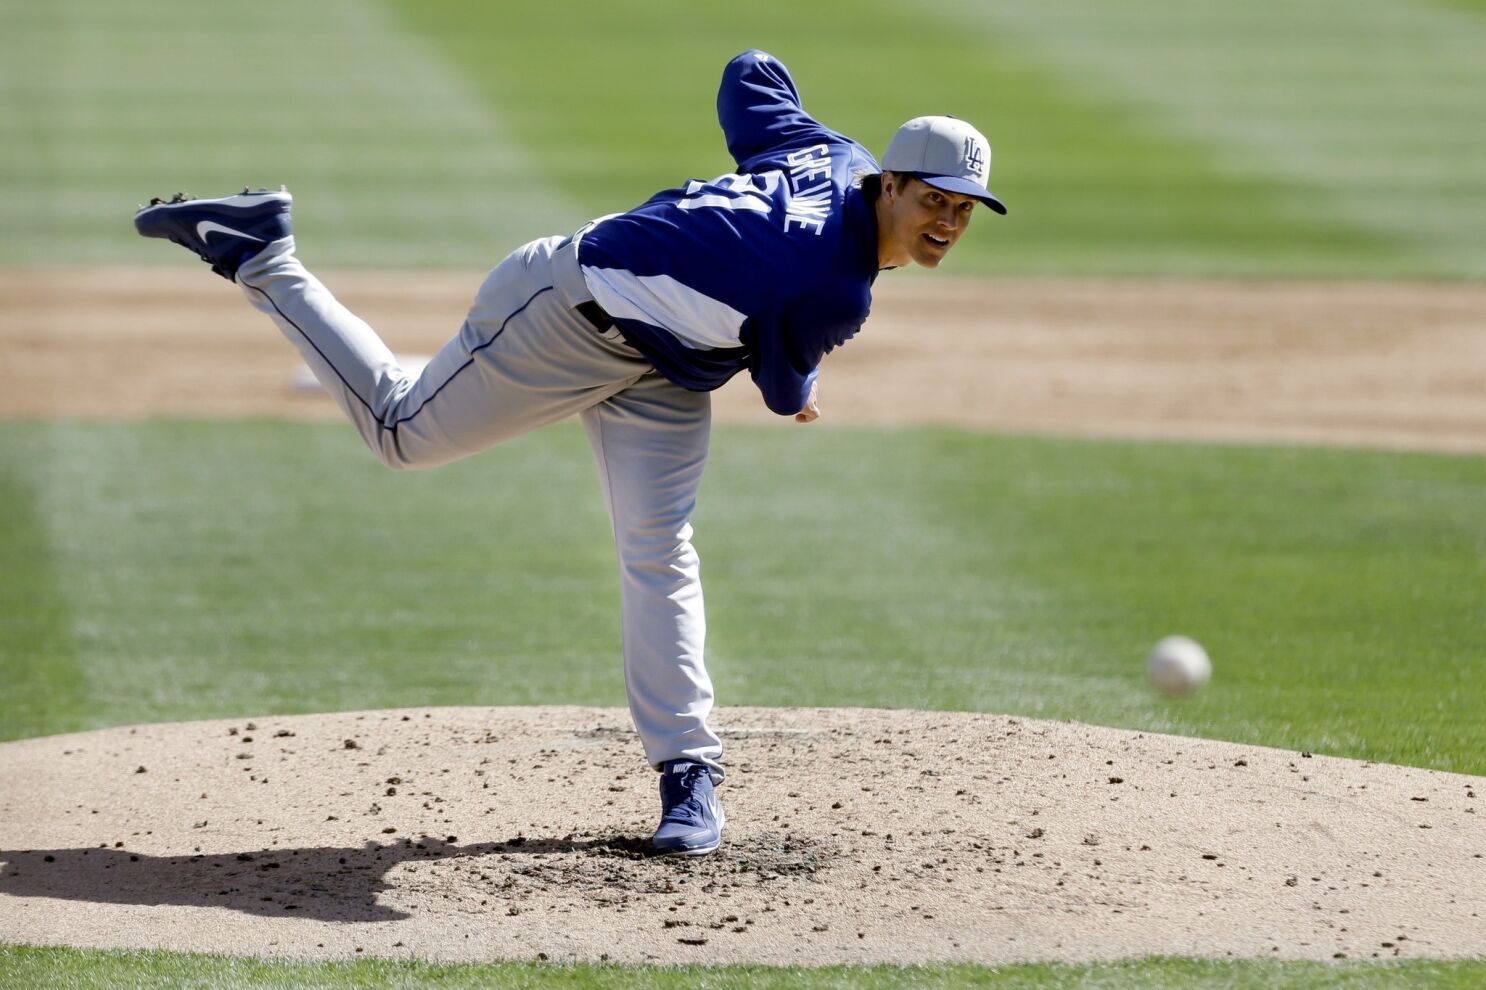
[
  {"x": 216, "y": 266},
  {"x": 683, "y": 803}
]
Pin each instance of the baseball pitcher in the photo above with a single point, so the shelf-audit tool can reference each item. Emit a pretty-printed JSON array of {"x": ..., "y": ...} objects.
[{"x": 629, "y": 323}]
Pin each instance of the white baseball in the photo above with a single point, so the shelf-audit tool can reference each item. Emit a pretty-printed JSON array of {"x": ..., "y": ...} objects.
[{"x": 1178, "y": 665}]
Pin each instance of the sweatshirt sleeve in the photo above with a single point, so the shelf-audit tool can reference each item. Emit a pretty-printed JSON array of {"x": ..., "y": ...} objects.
[
  {"x": 783, "y": 367},
  {"x": 759, "y": 107},
  {"x": 787, "y": 351}
]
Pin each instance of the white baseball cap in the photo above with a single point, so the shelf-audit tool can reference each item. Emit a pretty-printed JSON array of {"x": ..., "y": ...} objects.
[{"x": 947, "y": 153}]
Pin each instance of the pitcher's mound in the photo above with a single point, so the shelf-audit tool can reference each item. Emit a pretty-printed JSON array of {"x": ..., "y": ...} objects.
[{"x": 853, "y": 837}]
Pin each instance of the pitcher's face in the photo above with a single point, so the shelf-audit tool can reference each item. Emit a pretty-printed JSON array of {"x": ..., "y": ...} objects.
[{"x": 917, "y": 222}]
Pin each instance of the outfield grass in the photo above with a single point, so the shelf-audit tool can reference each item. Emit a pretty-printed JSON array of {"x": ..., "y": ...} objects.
[
  {"x": 393, "y": 159},
  {"x": 1265, "y": 139},
  {"x": 1093, "y": 186},
  {"x": 73, "y": 969},
  {"x": 175, "y": 570},
  {"x": 1368, "y": 110}
]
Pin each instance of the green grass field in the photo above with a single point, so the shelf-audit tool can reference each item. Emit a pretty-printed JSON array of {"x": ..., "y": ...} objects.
[
  {"x": 1272, "y": 139},
  {"x": 181, "y": 570},
  {"x": 22, "y": 967},
  {"x": 172, "y": 570}
]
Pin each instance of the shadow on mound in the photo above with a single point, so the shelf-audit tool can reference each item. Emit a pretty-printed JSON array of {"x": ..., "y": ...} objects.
[
  {"x": 322, "y": 882},
  {"x": 329, "y": 883}
]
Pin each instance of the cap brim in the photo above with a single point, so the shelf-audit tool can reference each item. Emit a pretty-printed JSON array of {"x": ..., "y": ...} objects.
[{"x": 965, "y": 187}]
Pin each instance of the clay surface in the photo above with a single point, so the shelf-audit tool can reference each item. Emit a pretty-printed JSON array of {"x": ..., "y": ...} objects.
[
  {"x": 1377, "y": 364},
  {"x": 854, "y": 836}
]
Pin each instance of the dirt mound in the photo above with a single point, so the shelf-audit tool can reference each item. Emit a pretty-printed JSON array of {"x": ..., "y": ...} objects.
[{"x": 854, "y": 836}]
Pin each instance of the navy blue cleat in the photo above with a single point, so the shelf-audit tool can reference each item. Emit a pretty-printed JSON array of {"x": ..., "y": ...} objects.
[
  {"x": 691, "y": 817},
  {"x": 224, "y": 232}
]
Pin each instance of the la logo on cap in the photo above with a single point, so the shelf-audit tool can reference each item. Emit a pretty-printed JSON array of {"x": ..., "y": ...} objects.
[{"x": 975, "y": 159}]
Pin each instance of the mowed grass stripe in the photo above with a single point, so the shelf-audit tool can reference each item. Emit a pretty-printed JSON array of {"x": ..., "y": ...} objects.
[
  {"x": 1469, "y": 6},
  {"x": 215, "y": 570},
  {"x": 1370, "y": 107},
  {"x": 392, "y": 159},
  {"x": 221, "y": 569},
  {"x": 1095, "y": 185},
  {"x": 42, "y": 680},
  {"x": 404, "y": 130},
  {"x": 79, "y": 969}
]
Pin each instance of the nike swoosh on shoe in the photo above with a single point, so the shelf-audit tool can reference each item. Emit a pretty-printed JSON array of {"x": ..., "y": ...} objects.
[{"x": 211, "y": 226}]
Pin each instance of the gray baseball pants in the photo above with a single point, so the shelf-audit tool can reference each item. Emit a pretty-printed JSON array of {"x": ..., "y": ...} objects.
[{"x": 524, "y": 358}]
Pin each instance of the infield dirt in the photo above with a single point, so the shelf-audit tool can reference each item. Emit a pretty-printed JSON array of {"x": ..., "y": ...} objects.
[
  {"x": 1399, "y": 365},
  {"x": 854, "y": 836}
]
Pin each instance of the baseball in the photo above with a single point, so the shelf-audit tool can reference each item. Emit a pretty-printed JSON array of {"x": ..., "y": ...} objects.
[{"x": 1178, "y": 665}]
